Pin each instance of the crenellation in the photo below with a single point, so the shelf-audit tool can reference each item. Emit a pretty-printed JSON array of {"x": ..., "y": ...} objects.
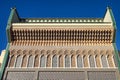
[{"x": 55, "y": 20}]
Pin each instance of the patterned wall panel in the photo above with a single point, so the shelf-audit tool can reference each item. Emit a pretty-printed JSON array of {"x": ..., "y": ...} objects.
[
  {"x": 102, "y": 75},
  {"x": 61, "y": 75},
  {"x": 20, "y": 75}
]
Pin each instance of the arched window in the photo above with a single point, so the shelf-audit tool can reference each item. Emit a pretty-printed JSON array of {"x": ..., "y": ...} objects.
[
  {"x": 54, "y": 61},
  {"x": 61, "y": 61},
  {"x": 48, "y": 61},
  {"x": 110, "y": 61},
  {"x": 67, "y": 61},
  {"x": 104, "y": 61},
  {"x": 73, "y": 61},
  {"x": 98, "y": 61},
  {"x": 31, "y": 61},
  {"x": 79, "y": 61},
  {"x": 115, "y": 61},
  {"x": 36, "y": 61},
  {"x": 12, "y": 61},
  {"x": 42, "y": 61},
  {"x": 18, "y": 61},
  {"x": 85, "y": 61},
  {"x": 24, "y": 61},
  {"x": 91, "y": 60}
]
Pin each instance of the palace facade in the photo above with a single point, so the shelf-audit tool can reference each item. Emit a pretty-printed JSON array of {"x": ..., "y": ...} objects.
[{"x": 60, "y": 48}]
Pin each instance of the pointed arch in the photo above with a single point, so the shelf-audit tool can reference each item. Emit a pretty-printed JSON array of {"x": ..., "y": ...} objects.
[
  {"x": 85, "y": 58},
  {"x": 43, "y": 51},
  {"x": 84, "y": 52},
  {"x": 61, "y": 62},
  {"x": 31, "y": 52},
  {"x": 98, "y": 60},
  {"x": 25, "y": 52},
  {"x": 37, "y": 51},
  {"x": 115, "y": 61},
  {"x": 31, "y": 61},
  {"x": 54, "y": 61},
  {"x": 36, "y": 60},
  {"x": 42, "y": 61},
  {"x": 92, "y": 61},
  {"x": 110, "y": 60},
  {"x": 48, "y": 64},
  {"x": 36, "y": 63},
  {"x": 12, "y": 61},
  {"x": 73, "y": 60},
  {"x": 72, "y": 52},
  {"x": 67, "y": 61},
  {"x": 19, "y": 52},
  {"x": 79, "y": 61},
  {"x": 48, "y": 51},
  {"x": 78, "y": 52},
  {"x": 54, "y": 52},
  {"x": 12, "y": 52},
  {"x": 18, "y": 61},
  {"x": 85, "y": 61},
  {"x": 24, "y": 61},
  {"x": 102, "y": 52},
  {"x": 96, "y": 52},
  {"x": 90, "y": 52},
  {"x": 104, "y": 61}
]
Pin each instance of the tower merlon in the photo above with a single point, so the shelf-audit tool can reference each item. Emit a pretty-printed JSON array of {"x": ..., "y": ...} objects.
[{"x": 109, "y": 17}]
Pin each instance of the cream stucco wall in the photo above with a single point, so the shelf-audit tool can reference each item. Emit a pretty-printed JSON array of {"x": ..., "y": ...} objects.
[{"x": 2, "y": 56}]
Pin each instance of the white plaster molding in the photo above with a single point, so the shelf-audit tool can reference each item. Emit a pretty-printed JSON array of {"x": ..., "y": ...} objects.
[
  {"x": 27, "y": 61},
  {"x": 51, "y": 58},
  {"x": 82, "y": 62},
  {"x": 70, "y": 60},
  {"x": 95, "y": 61},
  {"x": 100, "y": 61},
  {"x": 45, "y": 61},
  {"x": 88, "y": 59},
  {"x": 113, "y": 61},
  {"x": 57, "y": 61},
  {"x": 76, "y": 61},
  {"x": 15, "y": 61},
  {"x": 108, "y": 17},
  {"x": 21, "y": 61},
  {"x": 33, "y": 61}
]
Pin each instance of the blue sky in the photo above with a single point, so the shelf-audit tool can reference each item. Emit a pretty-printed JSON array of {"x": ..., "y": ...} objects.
[{"x": 57, "y": 8}]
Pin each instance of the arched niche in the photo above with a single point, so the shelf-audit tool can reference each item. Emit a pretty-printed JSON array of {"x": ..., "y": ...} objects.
[
  {"x": 67, "y": 61},
  {"x": 30, "y": 61},
  {"x": 42, "y": 61},
  {"x": 79, "y": 61},
  {"x": 54, "y": 61}
]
